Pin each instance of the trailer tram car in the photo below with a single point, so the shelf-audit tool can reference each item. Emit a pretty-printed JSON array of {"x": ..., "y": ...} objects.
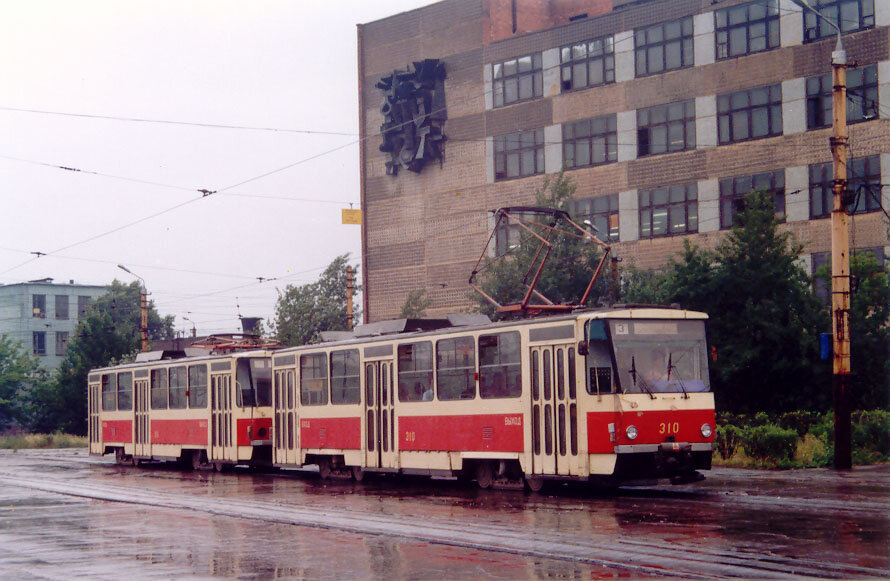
[
  {"x": 615, "y": 396},
  {"x": 212, "y": 410}
]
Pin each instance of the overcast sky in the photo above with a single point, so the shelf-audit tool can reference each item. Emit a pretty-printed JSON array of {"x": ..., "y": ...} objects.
[{"x": 289, "y": 66}]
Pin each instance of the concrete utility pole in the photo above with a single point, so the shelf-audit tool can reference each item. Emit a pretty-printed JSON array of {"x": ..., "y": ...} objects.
[
  {"x": 840, "y": 254},
  {"x": 143, "y": 304},
  {"x": 349, "y": 289}
]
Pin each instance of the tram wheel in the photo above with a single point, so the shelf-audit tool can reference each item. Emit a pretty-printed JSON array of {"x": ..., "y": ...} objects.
[
  {"x": 199, "y": 460},
  {"x": 119, "y": 456},
  {"x": 324, "y": 468},
  {"x": 358, "y": 473},
  {"x": 135, "y": 461},
  {"x": 534, "y": 483},
  {"x": 221, "y": 466},
  {"x": 484, "y": 475}
]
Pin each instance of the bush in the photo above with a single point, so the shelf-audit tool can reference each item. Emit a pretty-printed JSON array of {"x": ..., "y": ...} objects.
[
  {"x": 769, "y": 442},
  {"x": 728, "y": 439},
  {"x": 871, "y": 432},
  {"x": 799, "y": 421}
]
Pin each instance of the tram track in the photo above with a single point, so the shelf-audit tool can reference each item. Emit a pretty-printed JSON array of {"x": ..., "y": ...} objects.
[{"x": 649, "y": 558}]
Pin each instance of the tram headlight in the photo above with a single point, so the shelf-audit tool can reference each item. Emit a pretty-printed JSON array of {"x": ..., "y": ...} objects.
[
  {"x": 631, "y": 432},
  {"x": 706, "y": 430}
]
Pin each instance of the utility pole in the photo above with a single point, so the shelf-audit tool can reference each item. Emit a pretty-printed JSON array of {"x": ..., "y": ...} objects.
[
  {"x": 143, "y": 303},
  {"x": 349, "y": 289},
  {"x": 840, "y": 253}
]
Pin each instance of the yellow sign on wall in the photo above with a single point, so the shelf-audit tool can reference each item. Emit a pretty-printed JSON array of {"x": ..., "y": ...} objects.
[{"x": 351, "y": 216}]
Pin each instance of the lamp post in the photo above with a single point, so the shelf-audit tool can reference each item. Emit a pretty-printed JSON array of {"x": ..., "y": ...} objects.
[
  {"x": 840, "y": 253},
  {"x": 194, "y": 328},
  {"x": 143, "y": 303}
]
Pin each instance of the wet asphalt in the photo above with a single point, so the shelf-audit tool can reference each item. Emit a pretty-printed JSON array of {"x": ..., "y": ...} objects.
[{"x": 66, "y": 515}]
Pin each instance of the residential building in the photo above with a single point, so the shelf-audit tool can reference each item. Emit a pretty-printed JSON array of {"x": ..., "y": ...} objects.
[
  {"x": 663, "y": 112},
  {"x": 43, "y": 315}
]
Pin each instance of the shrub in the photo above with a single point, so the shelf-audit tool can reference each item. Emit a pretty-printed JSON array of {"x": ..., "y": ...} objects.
[
  {"x": 799, "y": 421},
  {"x": 871, "y": 432},
  {"x": 769, "y": 442},
  {"x": 728, "y": 439}
]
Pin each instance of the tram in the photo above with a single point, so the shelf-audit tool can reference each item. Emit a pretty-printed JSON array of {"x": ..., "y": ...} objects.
[{"x": 202, "y": 411}]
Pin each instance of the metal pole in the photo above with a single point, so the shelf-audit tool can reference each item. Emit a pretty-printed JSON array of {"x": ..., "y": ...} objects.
[
  {"x": 349, "y": 289},
  {"x": 840, "y": 266},
  {"x": 143, "y": 299}
]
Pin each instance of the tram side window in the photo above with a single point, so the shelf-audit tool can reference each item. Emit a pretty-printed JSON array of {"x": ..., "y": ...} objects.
[
  {"x": 158, "y": 389},
  {"x": 261, "y": 373},
  {"x": 124, "y": 391},
  {"x": 197, "y": 391},
  {"x": 455, "y": 367},
  {"x": 416, "y": 371},
  {"x": 345, "y": 377},
  {"x": 598, "y": 359},
  {"x": 313, "y": 379},
  {"x": 245, "y": 397},
  {"x": 178, "y": 385},
  {"x": 500, "y": 368},
  {"x": 109, "y": 393}
]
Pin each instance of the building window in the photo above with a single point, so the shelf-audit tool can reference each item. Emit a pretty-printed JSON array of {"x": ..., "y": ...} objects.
[
  {"x": 61, "y": 306},
  {"x": 862, "y": 97},
  {"x": 747, "y": 28},
  {"x": 669, "y": 210},
  {"x": 666, "y": 128},
  {"x": 83, "y": 303},
  {"x": 61, "y": 343},
  {"x": 733, "y": 191},
  {"x": 851, "y": 15},
  {"x": 38, "y": 303},
  {"x": 749, "y": 114},
  {"x": 587, "y": 64},
  {"x": 590, "y": 142},
  {"x": 518, "y": 79},
  {"x": 664, "y": 47},
  {"x": 602, "y": 212},
  {"x": 519, "y": 154},
  {"x": 864, "y": 181},
  {"x": 509, "y": 236},
  {"x": 39, "y": 340},
  {"x": 822, "y": 260}
]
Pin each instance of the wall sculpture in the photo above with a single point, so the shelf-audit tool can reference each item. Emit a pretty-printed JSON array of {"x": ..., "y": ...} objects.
[{"x": 413, "y": 116}]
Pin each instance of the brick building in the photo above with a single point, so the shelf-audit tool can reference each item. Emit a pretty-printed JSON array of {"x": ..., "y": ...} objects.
[{"x": 663, "y": 112}]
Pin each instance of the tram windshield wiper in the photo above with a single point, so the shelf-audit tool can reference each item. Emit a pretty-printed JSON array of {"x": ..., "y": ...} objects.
[
  {"x": 633, "y": 373},
  {"x": 672, "y": 367}
]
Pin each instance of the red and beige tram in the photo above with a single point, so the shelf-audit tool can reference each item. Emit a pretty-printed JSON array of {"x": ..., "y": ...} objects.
[
  {"x": 212, "y": 410},
  {"x": 615, "y": 395}
]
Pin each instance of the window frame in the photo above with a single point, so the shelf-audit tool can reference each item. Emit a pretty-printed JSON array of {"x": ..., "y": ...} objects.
[
  {"x": 589, "y": 132},
  {"x": 570, "y": 59},
  {"x": 518, "y": 144},
  {"x": 820, "y": 101},
  {"x": 83, "y": 304},
  {"x": 731, "y": 195},
  {"x": 448, "y": 368},
  {"x": 605, "y": 220},
  {"x": 61, "y": 305},
  {"x": 512, "y": 389},
  {"x": 62, "y": 338},
  {"x": 645, "y": 46},
  {"x": 769, "y": 21},
  {"x": 350, "y": 392},
  {"x": 728, "y": 109},
  {"x": 649, "y": 203},
  {"x": 197, "y": 391},
  {"x": 824, "y": 190},
  {"x": 816, "y": 28},
  {"x": 155, "y": 375},
  {"x": 38, "y": 306},
  {"x": 501, "y": 79},
  {"x": 421, "y": 377},
  {"x": 38, "y": 343},
  {"x": 125, "y": 391},
  {"x": 314, "y": 370},
  {"x": 176, "y": 390},
  {"x": 666, "y": 117},
  {"x": 109, "y": 392}
]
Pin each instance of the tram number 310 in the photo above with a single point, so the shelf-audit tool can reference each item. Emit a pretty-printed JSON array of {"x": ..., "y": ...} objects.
[{"x": 668, "y": 428}]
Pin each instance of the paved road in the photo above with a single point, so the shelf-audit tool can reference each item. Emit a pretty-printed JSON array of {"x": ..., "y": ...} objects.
[{"x": 67, "y": 515}]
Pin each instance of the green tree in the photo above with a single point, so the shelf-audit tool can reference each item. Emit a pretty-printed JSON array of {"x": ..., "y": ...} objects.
[
  {"x": 19, "y": 372},
  {"x": 416, "y": 304},
  {"x": 869, "y": 329},
  {"x": 108, "y": 333},
  {"x": 304, "y": 311},
  {"x": 569, "y": 267}
]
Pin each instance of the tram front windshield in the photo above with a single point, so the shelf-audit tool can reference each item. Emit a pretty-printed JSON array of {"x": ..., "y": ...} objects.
[{"x": 660, "y": 356}]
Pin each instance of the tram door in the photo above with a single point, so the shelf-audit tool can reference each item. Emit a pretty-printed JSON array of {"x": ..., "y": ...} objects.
[
  {"x": 95, "y": 401},
  {"x": 141, "y": 406},
  {"x": 554, "y": 410},
  {"x": 380, "y": 448},
  {"x": 286, "y": 419},
  {"x": 221, "y": 436}
]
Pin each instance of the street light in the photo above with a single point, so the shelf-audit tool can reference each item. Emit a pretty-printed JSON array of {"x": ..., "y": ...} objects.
[
  {"x": 143, "y": 300},
  {"x": 840, "y": 253},
  {"x": 194, "y": 328}
]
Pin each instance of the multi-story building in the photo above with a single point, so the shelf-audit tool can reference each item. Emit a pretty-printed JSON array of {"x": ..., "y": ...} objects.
[
  {"x": 664, "y": 113},
  {"x": 43, "y": 315}
]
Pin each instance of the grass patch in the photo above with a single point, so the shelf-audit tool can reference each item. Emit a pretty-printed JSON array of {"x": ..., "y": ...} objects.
[{"x": 32, "y": 441}]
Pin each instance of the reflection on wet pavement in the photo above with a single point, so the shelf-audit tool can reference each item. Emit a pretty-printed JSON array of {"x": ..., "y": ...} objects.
[{"x": 737, "y": 523}]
